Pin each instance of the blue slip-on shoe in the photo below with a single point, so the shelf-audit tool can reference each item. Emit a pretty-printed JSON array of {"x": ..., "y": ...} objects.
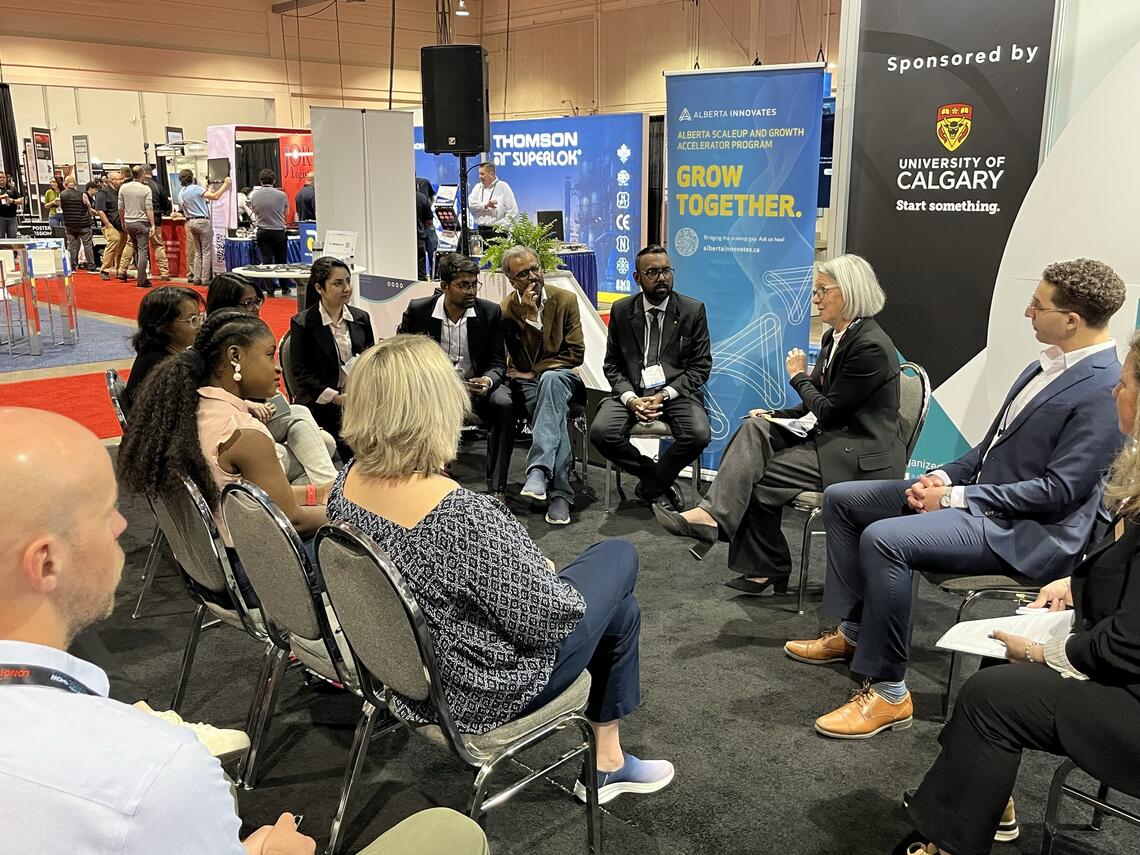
[
  {"x": 635, "y": 776},
  {"x": 535, "y": 486},
  {"x": 558, "y": 511}
]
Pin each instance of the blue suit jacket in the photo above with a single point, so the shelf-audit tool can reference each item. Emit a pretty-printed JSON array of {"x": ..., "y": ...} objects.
[{"x": 1039, "y": 489}]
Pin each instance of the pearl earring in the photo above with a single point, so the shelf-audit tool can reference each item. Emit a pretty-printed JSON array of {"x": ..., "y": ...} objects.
[{"x": 237, "y": 370}]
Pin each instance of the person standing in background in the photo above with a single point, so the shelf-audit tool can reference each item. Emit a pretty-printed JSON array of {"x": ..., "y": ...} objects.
[
  {"x": 269, "y": 205},
  {"x": 431, "y": 237},
  {"x": 492, "y": 201},
  {"x": 136, "y": 212},
  {"x": 51, "y": 202},
  {"x": 77, "y": 224},
  {"x": 162, "y": 207},
  {"x": 244, "y": 212},
  {"x": 10, "y": 202},
  {"x": 306, "y": 201},
  {"x": 106, "y": 206},
  {"x": 194, "y": 201}
]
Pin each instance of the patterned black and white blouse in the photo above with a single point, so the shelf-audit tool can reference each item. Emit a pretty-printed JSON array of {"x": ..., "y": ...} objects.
[{"x": 495, "y": 611}]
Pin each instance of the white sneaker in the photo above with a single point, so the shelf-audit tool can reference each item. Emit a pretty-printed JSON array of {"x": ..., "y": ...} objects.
[{"x": 220, "y": 742}]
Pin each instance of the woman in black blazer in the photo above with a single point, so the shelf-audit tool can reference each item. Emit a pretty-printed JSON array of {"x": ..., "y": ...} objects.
[
  {"x": 852, "y": 396},
  {"x": 1077, "y": 697},
  {"x": 324, "y": 341}
]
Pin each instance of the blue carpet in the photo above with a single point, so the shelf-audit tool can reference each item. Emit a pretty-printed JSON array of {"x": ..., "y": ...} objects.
[{"x": 98, "y": 341}]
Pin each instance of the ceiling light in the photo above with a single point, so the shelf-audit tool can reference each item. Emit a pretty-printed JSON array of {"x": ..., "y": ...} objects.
[{"x": 462, "y": 11}]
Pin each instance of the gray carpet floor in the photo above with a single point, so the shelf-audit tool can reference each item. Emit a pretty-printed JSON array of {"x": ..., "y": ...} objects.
[{"x": 719, "y": 699}]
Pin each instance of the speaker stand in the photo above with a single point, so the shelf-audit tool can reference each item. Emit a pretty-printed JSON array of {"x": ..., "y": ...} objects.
[{"x": 464, "y": 234}]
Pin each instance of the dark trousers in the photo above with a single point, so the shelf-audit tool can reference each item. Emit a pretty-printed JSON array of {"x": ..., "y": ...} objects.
[
  {"x": 89, "y": 646},
  {"x": 328, "y": 417},
  {"x": 1002, "y": 711},
  {"x": 872, "y": 550},
  {"x": 605, "y": 641},
  {"x": 271, "y": 246},
  {"x": 9, "y": 227},
  {"x": 73, "y": 238},
  {"x": 763, "y": 467},
  {"x": 686, "y": 419},
  {"x": 497, "y": 409}
]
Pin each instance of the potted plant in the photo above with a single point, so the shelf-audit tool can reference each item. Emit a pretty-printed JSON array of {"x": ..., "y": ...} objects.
[{"x": 523, "y": 232}]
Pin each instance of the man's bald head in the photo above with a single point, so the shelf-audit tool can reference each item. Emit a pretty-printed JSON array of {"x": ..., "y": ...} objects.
[{"x": 60, "y": 562}]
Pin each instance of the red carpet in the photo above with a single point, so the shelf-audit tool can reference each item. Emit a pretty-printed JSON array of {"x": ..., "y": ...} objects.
[{"x": 82, "y": 397}]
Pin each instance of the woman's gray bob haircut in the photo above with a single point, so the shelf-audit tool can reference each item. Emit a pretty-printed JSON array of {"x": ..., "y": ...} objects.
[{"x": 862, "y": 296}]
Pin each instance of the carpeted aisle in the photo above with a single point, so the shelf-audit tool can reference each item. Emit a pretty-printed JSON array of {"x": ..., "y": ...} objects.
[{"x": 719, "y": 699}]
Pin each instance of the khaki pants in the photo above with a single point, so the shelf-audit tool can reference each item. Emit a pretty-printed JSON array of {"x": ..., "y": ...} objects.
[
  {"x": 117, "y": 251},
  {"x": 200, "y": 235},
  {"x": 159, "y": 245}
]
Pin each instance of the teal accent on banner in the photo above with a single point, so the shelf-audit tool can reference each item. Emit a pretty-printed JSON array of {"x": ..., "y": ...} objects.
[
  {"x": 743, "y": 162},
  {"x": 940, "y": 443}
]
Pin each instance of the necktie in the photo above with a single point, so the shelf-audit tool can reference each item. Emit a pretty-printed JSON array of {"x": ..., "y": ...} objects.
[{"x": 653, "y": 354}]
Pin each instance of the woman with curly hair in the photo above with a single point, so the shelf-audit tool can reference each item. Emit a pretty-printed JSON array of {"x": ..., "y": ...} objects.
[
  {"x": 192, "y": 420},
  {"x": 168, "y": 319},
  {"x": 308, "y": 450}
]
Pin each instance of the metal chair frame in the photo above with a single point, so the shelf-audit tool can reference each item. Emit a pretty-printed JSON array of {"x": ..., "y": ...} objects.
[
  {"x": 636, "y": 433},
  {"x": 1099, "y": 803},
  {"x": 351, "y": 538},
  {"x": 115, "y": 386},
  {"x": 813, "y": 510}
]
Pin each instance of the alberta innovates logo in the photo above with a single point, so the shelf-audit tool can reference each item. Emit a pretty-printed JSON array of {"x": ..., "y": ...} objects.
[
  {"x": 685, "y": 116},
  {"x": 954, "y": 124}
]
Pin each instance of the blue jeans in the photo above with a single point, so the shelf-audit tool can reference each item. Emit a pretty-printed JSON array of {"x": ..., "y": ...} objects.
[
  {"x": 605, "y": 641},
  {"x": 547, "y": 402}
]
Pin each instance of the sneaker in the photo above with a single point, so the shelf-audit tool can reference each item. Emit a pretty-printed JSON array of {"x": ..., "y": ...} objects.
[
  {"x": 1007, "y": 830},
  {"x": 286, "y": 292},
  {"x": 558, "y": 512},
  {"x": 104, "y": 275},
  {"x": 122, "y": 277},
  {"x": 635, "y": 776},
  {"x": 535, "y": 486},
  {"x": 223, "y": 744}
]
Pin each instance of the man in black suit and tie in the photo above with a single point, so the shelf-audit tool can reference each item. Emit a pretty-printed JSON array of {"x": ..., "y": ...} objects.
[
  {"x": 658, "y": 356},
  {"x": 470, "y": 332}
]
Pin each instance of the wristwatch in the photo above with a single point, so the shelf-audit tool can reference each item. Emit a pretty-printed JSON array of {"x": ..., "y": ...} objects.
[{"x": 944, "y": 501}]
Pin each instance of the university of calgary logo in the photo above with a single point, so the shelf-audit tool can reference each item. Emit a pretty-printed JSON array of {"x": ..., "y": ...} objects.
[{"x": 954, "y": 123}]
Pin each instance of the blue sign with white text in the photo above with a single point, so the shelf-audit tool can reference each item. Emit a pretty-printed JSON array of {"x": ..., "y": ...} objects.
[
  {"x": 743, "y": 170},
  {"x": 591, "y": 168}
]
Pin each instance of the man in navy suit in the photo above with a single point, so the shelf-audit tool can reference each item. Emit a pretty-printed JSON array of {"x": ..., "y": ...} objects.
[
  {"x": 1024, "y": 500},
  {"x": 470, "y": 331}
]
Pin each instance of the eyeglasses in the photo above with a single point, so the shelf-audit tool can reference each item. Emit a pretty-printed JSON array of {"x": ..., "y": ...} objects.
[
  {"x": 470, "y": 286},
  {"x": 821, "y": 291},
  {"x": 1038, "y": 309},
  {"x": 251, "y": 303},
  {"x": 657, "y": 273},
  {"x": 194, "y": 321},
  {"x": 529, "y": 273}
]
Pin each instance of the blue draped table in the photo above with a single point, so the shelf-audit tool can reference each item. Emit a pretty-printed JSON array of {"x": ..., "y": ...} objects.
[{"x": 241, "y": 252}]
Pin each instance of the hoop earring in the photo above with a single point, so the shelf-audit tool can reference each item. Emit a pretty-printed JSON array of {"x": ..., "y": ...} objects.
[{"x": 237, "y": 370}]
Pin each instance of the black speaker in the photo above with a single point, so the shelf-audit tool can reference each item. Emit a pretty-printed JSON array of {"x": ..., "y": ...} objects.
[{"x": 457, "y": 117}]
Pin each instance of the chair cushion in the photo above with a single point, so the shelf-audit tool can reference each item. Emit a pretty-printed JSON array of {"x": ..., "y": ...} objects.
[
  {"x": 957, "y": 583},
  {"x": 648, "y": 429},
  {"x": 807, "y": 500},
  {"x": 486, "y": 744}
]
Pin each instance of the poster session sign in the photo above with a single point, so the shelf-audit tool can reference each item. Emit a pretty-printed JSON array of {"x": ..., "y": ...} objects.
[
  {"x": 947, "y": 118},
  {"x": 591, "y": 168},
  {"x": 743, "y": 172}
]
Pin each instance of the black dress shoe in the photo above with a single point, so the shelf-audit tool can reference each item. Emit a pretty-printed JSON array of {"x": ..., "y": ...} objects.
[
  {"x": 671, "y": 498},
  {"x": 774, "y": 585},
  {"x": 705, "y": 535}
]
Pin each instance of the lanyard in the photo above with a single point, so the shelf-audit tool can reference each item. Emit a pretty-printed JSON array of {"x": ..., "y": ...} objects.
[{"x": 36, "y": 675}]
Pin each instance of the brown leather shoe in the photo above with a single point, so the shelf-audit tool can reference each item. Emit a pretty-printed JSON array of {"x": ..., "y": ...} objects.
[
  {"x": 866, "y": 714},
  {"x": 831, "y": 646}
]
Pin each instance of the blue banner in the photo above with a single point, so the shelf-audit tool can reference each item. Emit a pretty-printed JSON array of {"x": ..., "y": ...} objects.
[
  {"x": 591, "y": 168},
  {"x": 743, "y": 172}
]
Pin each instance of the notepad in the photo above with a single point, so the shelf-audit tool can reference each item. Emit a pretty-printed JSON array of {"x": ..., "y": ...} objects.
[
  {"x": 973, "y": 636},
  {"x": 801, "y": 427}
]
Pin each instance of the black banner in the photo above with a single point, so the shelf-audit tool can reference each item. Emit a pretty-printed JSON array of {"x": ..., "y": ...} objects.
[{"x": 949, "y": 102}]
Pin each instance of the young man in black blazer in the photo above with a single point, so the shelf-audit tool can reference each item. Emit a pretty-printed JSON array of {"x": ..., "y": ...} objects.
[
  {"x": 324, "y": 340},
  {"x": 470, "y": 332},
  {"x": 658, "y": 356}
]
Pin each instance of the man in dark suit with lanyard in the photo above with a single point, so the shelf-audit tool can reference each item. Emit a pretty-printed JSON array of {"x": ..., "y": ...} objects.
[
  {"x": 470, "y": 332},
  {"x": 1023, "y": 500},
  {"x": 658, "y": 356}
]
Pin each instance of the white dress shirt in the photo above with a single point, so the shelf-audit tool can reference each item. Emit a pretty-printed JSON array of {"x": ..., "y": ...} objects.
[
  {"x": 1054, "y": 363},
  {"x": 500, "y": 193},
  {"x": 453, "y": 339},
  {"x": 343, "y": 340},
  {"x": 669, "y": 392},
  {"x": 84, "y": 773}
]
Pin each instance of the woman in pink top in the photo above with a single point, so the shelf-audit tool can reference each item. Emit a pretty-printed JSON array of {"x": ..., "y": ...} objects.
[{"x": 191, "y": 419}]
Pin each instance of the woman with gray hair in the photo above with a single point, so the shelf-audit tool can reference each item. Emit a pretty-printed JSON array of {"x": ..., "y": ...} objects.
[{"x": 847, "y": 428}]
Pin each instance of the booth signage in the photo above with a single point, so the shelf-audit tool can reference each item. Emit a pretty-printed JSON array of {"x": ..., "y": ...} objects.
[
  {"x": 947, "y": 119},
  {"x": 743, "y": 169},
  {"x": 41, "y": 168},
  {"x": 82, "y": 159},
  {"x": 591, "y": 168}
]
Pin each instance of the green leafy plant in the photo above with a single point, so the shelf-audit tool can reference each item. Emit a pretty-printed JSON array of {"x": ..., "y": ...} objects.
[{"x": 523, "y": 232}]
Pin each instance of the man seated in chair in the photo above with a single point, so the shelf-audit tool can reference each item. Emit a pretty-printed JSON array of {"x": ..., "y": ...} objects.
[
  {"x": 470, "y": 331},
  {"x": 1024, "y": 500},
  {"x": 658, "y": 356},
  {"x": 543, "y": 332}
]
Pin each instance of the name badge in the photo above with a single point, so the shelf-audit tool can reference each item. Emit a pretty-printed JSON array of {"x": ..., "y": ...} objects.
[{"x": 652, "y": 376}]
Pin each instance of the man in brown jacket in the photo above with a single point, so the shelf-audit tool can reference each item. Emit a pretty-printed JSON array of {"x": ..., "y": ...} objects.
[{"x": 543, "y": 333}]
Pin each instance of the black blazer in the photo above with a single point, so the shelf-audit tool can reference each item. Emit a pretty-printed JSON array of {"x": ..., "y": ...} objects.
[
  {"x": 484, "y": 333},
  {"x": 856, "y": 403},
  {"x": 686, "y": 352},
  {"x": 316, "y": 364}
]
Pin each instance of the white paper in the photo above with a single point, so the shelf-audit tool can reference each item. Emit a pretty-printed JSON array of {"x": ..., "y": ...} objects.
[
  {"x": 973, "y": 636},
  {"x": 340, "y": 244},
  {"x": 800, "y": 427}
]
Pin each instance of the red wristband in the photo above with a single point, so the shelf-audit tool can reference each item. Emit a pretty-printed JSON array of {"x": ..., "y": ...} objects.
[{"x": 310, "y": 495}]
